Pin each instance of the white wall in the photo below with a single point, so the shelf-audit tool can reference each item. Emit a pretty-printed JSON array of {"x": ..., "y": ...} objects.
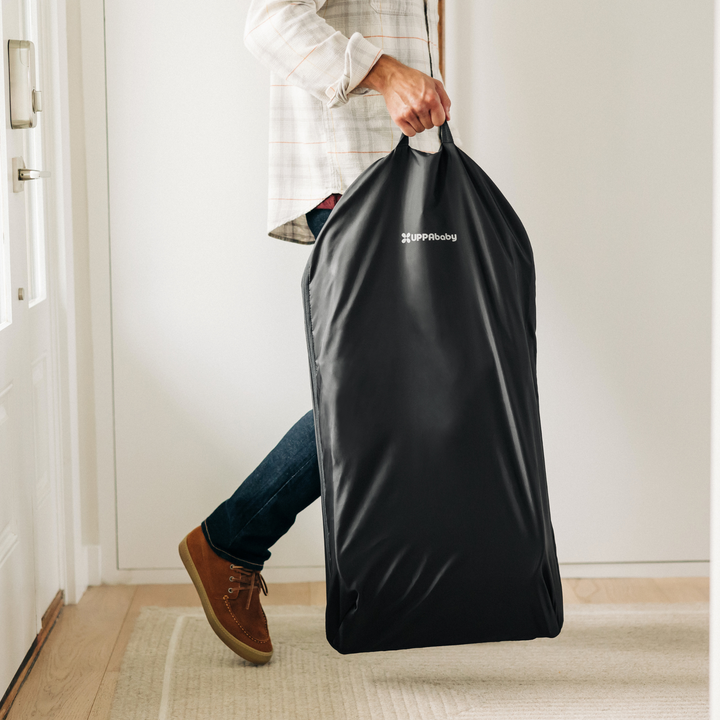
[{"x": 595, "y": 118}]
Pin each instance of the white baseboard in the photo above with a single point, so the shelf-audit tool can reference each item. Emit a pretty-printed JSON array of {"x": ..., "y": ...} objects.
[
  {"x": 94, "y": 564},
  {"x": 169, "y": 576},
  {"x": 691, "y": 568}
]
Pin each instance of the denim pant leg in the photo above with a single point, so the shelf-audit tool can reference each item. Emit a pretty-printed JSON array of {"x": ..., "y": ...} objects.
[{"x": 265, "y": 506}]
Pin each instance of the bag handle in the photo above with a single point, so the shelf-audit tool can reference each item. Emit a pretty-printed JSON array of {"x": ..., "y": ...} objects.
[{"x": 445, "y": 135}]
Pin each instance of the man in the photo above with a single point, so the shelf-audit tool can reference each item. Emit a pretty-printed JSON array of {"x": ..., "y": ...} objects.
[{"x": 348, "y": 78}]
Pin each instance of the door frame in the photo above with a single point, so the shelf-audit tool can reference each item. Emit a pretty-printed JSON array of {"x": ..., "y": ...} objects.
[{"x": 73, "y": 556}]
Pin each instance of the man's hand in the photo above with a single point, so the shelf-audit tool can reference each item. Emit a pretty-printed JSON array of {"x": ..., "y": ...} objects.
[{"x": 415, "y": 100}]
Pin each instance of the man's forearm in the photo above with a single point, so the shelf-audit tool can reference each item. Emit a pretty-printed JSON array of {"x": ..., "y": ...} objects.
[{"x": 296, "y": 43}]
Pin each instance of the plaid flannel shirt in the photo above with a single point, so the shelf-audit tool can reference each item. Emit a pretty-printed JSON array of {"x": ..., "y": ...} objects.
[{"x": 324, "y": 130}]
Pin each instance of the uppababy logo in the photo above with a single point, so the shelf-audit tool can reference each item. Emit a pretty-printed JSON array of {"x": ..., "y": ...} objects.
[{"x": 414, "y": 237}]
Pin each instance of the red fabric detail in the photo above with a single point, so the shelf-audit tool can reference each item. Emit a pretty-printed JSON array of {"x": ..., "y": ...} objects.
[{"x": 330, "y": 201}]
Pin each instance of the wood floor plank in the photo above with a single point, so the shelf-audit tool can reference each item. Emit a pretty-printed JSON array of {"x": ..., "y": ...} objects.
[
  {"x": 617, "y": 590},
  {"x": 48, "y": 621},
  {"x": 67, "y": 675},
  {"x": 685, "y": 589},
  {"x": 287, "y": 594},
  {"x": 569, "y": 596},
  {"x": 317, "y": 593}
]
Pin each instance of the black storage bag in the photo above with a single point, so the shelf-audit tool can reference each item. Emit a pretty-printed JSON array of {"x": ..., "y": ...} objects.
[{"x": 419, "y": 297}]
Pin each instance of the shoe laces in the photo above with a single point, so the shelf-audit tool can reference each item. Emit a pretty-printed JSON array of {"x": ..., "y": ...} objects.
[{"x": 244, "y": 575}]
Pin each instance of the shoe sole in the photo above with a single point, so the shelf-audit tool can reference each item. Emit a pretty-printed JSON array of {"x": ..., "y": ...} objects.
[{"x": 244, "y": 651}]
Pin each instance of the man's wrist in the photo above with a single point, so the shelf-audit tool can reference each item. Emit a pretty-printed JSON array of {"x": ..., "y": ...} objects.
[{"x": 379, "y": 74}]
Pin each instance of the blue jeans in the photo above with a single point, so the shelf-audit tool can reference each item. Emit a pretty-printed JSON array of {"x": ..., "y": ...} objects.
[{"x": 264, "y": 507}]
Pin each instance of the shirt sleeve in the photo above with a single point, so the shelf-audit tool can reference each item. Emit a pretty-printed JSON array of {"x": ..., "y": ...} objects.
[{"x": 294, "y": 42}]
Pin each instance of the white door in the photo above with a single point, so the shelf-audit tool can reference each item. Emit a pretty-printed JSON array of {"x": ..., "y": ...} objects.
[
  {"x": 209, "y": 357},
  {"x": 29, "y": 548}
]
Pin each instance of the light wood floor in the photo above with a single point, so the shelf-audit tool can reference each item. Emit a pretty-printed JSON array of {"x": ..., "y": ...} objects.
[{"x": 75, "y": 675}]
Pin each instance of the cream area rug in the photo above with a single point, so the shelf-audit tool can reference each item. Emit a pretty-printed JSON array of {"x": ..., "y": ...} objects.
[{"x": 609, "y": 661}]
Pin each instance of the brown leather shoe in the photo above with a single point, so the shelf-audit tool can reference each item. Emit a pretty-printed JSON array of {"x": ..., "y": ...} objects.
[{"x": 227, "y": 593}]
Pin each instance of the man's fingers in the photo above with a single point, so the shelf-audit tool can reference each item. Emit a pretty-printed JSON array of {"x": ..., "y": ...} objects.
[
  {"x": 421, "y": 121},
  {"x": 429, "y": 116},
  {"x": 405, "y": 127},
  {"x": 444, "y": 99},
  {"x": 434, "y": 112},
  {"x": 437, "y": 114},
  {"x": 417, "y": 123},
  {"x": 413, "y": 120},
  {"x": 425, "y": 118}
]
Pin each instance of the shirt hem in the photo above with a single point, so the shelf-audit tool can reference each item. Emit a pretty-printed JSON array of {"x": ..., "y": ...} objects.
[{"x": 305, "y": 237}]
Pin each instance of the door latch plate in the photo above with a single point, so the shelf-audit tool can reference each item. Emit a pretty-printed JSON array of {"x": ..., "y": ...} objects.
[{"x": 25, "y": 99}]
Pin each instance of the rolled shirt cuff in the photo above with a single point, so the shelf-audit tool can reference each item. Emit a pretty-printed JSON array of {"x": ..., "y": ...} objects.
[{"x": 360, "y": 56}]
